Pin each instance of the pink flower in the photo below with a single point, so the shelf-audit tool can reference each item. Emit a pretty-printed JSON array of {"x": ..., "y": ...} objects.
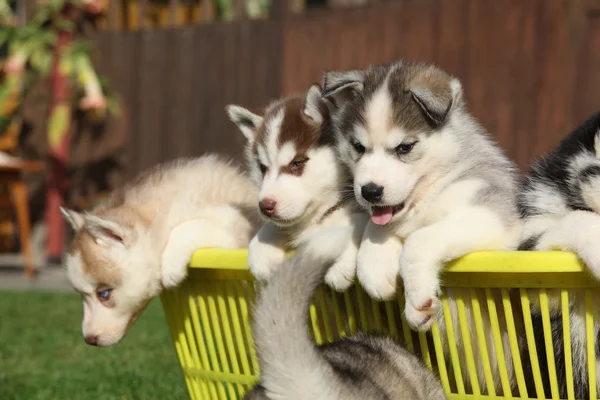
[
  {"x": 14, "y": 65},
  {"x": 92, "y": 101}
]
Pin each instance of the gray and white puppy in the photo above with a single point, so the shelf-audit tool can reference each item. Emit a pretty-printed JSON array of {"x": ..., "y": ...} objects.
[
  {"x": 356, "y": 368},
  {"x": 560, "y": 202},
  {"x": 427, "y": 173},
  {"x": 434, "y": 183}
]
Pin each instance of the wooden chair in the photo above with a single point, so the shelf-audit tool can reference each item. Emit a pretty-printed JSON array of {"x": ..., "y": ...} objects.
[{"x": 11, "y": 174}]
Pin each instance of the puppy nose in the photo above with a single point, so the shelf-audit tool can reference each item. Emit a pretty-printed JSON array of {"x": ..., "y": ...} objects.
[
  {"x": 372, "y": 192},
  {"x": 92, "y": 340},
  {"x": 267, "y": 206}
]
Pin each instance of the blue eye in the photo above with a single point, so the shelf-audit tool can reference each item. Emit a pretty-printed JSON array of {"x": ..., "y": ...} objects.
[{"x": 104, "y": 295}]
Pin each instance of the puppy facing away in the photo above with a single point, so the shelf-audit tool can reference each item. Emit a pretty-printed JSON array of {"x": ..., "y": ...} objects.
[
  {"x": 141, "y": 240},
  {"x": 434, "y": 183},
  {"x": 560, "y": 202},
  {"x": 303, "y": 187},
  {"x": 355, "y": 368}
]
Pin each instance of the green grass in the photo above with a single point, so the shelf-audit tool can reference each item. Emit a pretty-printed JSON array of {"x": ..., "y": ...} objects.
[{"x": 43, "y": 356}]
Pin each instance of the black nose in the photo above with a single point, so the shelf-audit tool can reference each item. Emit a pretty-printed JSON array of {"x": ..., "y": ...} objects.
[{"x": 372, "y": 192}]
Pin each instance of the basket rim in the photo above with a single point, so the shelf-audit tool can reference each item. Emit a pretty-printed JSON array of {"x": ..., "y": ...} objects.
[{"x": 525, "y": 262}]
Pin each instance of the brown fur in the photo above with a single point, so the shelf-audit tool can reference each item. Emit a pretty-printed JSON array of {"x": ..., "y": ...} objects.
[
  {"x": 94, "y": 264},
  {"x": 296, "y": 127}
]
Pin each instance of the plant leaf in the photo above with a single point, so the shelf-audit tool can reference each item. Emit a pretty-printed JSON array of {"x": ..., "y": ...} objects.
[{"x": 58, "y": 125}]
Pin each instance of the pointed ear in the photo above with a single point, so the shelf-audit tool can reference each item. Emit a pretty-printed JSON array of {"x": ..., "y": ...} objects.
[
  {"x": 436, "y": 93},
  {"x": 105, "y": 232},
  {"x": 341, "y": 87},
  {"x": 335, "y": 78},
  {"x": 314, "y": 104},
  {"x": 74, "y": 218},
  {"x": 246, "y": 120},
  {"x": 597, "y": 144}
]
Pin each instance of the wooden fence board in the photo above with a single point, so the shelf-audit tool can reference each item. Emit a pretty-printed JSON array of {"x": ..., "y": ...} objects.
[{"x": 530, "y": 69}]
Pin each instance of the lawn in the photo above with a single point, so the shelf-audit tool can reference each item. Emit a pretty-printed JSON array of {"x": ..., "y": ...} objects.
[{"x": 43, "y": 356}]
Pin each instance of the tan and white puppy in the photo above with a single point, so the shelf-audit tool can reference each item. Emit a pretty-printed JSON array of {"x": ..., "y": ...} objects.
[
  {"x": 141, "y": 240},
  {"x": 303, "y": 187}
]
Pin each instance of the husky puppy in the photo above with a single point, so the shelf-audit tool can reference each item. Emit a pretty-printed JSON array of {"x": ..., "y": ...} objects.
[
  {"x": 435, "y": 184},
  {"x": 560, "y": 202},
  {"x": 303, "y": 188},
  {"x": 141, "y": 240},
  {"x": 355, "y": 368},
  {"x": 428, "y": 174}
]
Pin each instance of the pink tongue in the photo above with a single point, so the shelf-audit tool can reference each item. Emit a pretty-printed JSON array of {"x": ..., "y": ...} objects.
[{"x": 381, "y": 215}]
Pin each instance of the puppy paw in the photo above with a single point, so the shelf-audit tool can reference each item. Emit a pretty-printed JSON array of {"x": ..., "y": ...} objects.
[
  {"x": 174, "y": 277},
  {"x": 174, "y": 262},
  {"x": 378, "y": 286},
  {"x": 421, "y": 312},
  {"x": 264, "y": 259},
  {"x": 377, "y": 274},
  {"x": 421, "y": 290},
  {"x": 377, "y": 271},
  {"x": 341, "y": 275}
]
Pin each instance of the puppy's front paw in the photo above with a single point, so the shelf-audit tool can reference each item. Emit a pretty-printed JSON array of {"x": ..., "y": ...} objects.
[
  {"x": 173, "y": 268},
  {"x": 264, "y": 259},
  {"x": 421, "y": 289},
  {"x": 377, "y": 270},
  {"x": 341, "y": 275},
  {"x": 421, "y": 310},
  {"x": 174, "y": 277}
]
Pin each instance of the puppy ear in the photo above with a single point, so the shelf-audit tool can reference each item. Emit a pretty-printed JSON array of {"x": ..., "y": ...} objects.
[
  {"x": 106, "y": 232},
  {"x": 334, "y": 78},
  {"x": 314, "y": 104},
  {"x": 74, "y": 218},
  {"x": 246, "y": 120},
  {"x": 341, "y": 87},
  {"x": 436, "y": 92}
]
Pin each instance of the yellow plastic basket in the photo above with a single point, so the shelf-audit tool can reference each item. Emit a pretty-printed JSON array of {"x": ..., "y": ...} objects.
[{"x": 209, "y": 317}]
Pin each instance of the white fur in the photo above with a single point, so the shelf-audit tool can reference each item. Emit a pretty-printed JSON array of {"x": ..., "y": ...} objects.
[
  {"x": 342, "y": 273},
  {"x": 188, "y": 237},
  {"x": 379, "y": 261},
  {"x": 75, "y": 219},
  {"x": 378, "y": 116},
  {"x": 273, "y": 129},
  {"x": 266, "y": 251},
  {"x": 427, "y": 250},
  {"x": 590, "y": 192},
  {"x": 566, "y": 234},
  {"x": 241, "y": 116},
  {"x": 311, "y": 108}
]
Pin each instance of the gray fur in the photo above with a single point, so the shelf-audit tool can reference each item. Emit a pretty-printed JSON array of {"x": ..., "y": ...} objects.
[{"x": 293, "y": 367}]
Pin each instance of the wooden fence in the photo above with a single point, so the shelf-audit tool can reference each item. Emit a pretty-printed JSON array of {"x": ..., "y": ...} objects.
[{"x": 530, "y": 69}]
